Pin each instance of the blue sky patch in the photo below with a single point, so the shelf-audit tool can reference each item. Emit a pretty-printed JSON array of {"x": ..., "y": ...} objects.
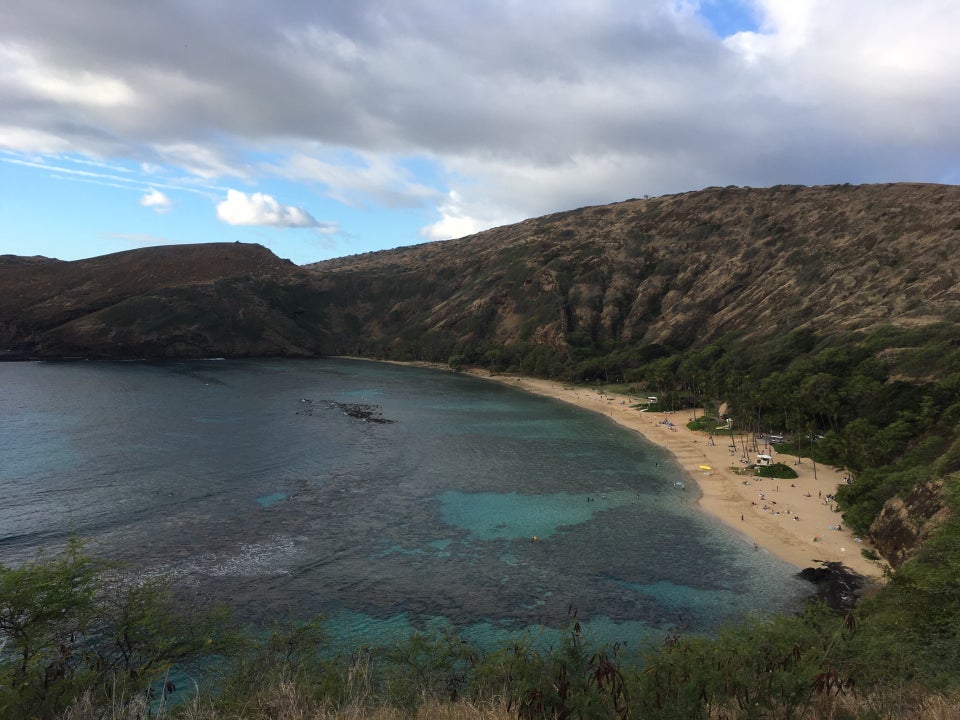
[{"x": 728, "y": 17}]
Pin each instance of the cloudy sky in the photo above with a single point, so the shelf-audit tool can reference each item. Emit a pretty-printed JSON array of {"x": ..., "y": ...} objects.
[{"x": 323, "y": 128}]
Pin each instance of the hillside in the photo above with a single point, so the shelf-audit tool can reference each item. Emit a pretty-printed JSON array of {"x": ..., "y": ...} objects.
[
  {"x": 170, "y": 301},
  {"x": 678, "y": 270},
  {"x": 672, "y": 272}
]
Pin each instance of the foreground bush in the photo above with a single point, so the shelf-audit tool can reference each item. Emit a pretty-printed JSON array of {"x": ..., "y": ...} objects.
[
  {"x": 69, "y": 630},
  {"x": 76, "y": 644}
]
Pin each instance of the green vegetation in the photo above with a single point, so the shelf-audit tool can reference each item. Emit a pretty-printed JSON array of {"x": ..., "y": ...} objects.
[
  {"x": 76, "y": 642},
  {"x": 709, "y": 425},
  {"x": 232, "y": 314},
  {"x": 71, "y": 630},
  {"x": 776, "y": 470}
]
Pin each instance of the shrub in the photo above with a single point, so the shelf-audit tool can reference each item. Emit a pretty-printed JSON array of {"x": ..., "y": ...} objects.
[
  {"x": 777, "y": 470},
  {"x": 575, "y": 680},
  {"x": 69, "y": 629}
]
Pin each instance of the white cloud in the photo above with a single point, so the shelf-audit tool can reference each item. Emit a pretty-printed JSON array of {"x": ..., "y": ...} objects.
[
  {"x": 27, "y": 74},
  {"x": 157, "y": 201},
  {"x": 258, "y": 209},
  {"x": 501, "y": 192},
  {"x": 455, "y": 220},
  {"x": 358, "y": 180},
  {"x": 878, "y": 76},
  {"x": 60, "y": 166},
  {"x": 207, "y": 162},
  {"x": 518, "y": 108},
  {"x": 80, "y": 88},
  {"x": 30, "y": 140}
]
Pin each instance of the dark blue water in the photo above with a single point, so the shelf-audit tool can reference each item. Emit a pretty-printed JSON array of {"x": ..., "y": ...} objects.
[{"x": 247, "y": 482}]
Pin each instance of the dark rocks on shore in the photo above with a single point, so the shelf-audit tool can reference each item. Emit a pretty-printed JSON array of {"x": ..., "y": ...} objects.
[{"x": 837, "y": 585}]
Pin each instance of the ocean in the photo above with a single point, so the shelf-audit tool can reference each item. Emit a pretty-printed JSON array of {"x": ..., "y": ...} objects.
[{"x": 386, "y": 498}]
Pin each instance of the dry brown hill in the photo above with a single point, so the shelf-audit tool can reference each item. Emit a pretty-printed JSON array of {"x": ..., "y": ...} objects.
[
  {"x": 169, "y": 301},
  {"x": 676, "y": 270}
]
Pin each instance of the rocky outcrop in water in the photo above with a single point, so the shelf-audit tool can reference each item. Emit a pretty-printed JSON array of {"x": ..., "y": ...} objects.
[
  {"x": 366, "y": 413},
  {"x": 359, "y": 411}
]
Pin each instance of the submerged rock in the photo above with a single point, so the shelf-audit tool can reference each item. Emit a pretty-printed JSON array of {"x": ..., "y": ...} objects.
[{"x": 367, "y": 413}]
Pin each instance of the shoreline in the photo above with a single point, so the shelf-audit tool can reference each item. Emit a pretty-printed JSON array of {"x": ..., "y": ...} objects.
[
  {"x": 791, "y": 519},
  {"x": 763, "y": 510}
]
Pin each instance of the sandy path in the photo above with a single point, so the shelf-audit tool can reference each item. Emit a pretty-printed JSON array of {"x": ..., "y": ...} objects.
[{"x": 793, "y": 519}]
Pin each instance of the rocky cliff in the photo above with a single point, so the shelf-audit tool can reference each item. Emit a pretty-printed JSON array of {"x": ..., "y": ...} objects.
[{"x": 905, "y": 523}]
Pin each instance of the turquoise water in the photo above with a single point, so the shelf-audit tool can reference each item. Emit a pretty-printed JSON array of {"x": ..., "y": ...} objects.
[
  {"x": 491, "y": 516},
  {"x": 246, "y": 482}
]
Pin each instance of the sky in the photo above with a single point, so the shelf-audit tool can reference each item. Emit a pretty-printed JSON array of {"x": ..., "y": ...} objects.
[{"x": 325, "y": 128}]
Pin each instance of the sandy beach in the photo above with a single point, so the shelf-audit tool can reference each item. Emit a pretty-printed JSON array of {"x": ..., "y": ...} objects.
[{"x": 792, "y": 519}]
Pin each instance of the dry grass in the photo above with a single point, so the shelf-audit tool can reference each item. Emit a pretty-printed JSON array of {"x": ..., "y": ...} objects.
[
  {"x": 285, "y": 700},
  {"x": 897, "y": 705}
]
